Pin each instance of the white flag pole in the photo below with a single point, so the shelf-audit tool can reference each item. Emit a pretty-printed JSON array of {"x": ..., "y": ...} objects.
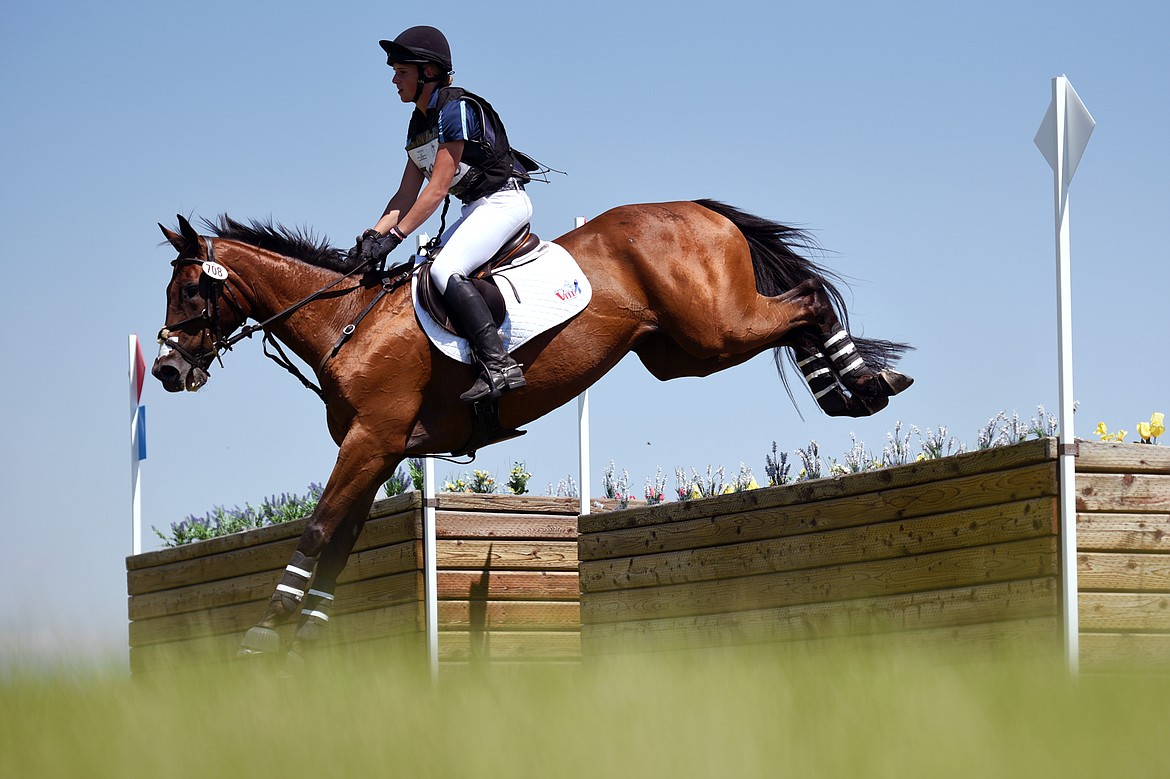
[
  {"x": 1062, "y": 138},
  {"x": 583, "y": 429},
  {"x": 430, "y": 553},
  {"x": 135, "y": 466}
]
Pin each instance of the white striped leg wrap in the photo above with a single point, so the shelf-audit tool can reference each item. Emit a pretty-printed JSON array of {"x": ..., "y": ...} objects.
[
  {"x": 845, "y": 358},
  {"x": 296, "y": 577},
  {"x": 818, "y": 375},
  {"x": 316, "y": 607},
  {"x": 293, "y": 591}
]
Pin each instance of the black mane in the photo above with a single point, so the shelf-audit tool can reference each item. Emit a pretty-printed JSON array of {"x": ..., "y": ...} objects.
[{"x": 300, "y": 243}]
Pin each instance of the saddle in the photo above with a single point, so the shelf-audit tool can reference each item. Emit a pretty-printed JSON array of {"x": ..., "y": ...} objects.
[{"x": 522, "y": 242}]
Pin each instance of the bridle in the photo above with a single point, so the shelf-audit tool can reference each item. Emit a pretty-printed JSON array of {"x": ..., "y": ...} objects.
[{"x": 216, "y": 276}]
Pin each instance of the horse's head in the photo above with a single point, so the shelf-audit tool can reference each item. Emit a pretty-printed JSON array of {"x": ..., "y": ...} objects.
[{"x": 202, "y": 311}]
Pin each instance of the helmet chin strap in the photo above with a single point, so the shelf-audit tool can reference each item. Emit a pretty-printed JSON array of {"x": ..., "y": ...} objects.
[{"x": 422, "y": 82}]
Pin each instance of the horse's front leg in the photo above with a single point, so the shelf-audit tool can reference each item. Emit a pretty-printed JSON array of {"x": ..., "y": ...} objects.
[
  {"x": 318, "y": 604},
  {"x": 349, "y": 493}
]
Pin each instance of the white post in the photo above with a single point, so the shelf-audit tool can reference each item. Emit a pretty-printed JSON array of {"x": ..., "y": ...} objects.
[
  {"x": 430, "y": 539},
  {"x": 1062, "y": 138},
  {"x": 430, "y": 565},
  {"x": 583, "y": 429},
  {"x": 136, "y": 368}
]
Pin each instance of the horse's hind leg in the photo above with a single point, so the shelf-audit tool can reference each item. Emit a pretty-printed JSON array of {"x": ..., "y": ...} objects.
[
  {"x": 869, "y": 387},
  {"x": 841, "y": 378}
]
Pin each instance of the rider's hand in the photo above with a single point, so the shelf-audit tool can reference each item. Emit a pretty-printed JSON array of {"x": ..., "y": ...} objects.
[
  {"x": 355, "y": 254},
  {"x": 374, "y": 248}
]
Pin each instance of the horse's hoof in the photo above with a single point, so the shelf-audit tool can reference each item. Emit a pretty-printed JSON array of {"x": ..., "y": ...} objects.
[
  {"x": 259, "y": 641},
  {"x": 894, "y": 382},
  {"x": 294, "y": 665}
]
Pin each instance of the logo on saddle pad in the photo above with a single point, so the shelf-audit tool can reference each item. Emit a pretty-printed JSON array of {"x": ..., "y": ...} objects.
[
  {"x": 569, "y": 290},
  {"x": 541, "y": 291}
]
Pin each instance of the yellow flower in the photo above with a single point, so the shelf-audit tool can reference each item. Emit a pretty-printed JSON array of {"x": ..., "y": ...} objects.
[
  {"x": 1144, "y": 431},
  {"x": 1120, "y": 435},
  {"x": 1102, "y": 430},
  {"x": 752, "y": 485},
  {"x": 1157, "y": 424}
]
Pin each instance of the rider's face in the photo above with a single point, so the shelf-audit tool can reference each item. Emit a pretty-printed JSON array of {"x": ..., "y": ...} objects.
[{"x": 406, "y": 81}]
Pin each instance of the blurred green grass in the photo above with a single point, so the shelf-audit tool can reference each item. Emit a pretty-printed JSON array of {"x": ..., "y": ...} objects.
[{"x": 771, "y": 712}]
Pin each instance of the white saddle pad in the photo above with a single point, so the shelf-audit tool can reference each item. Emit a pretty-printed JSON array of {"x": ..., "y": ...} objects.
[{"x": 547, "y": 288}]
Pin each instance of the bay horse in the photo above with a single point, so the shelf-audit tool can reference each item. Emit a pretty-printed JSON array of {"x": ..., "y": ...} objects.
[{"x": 690, "y": 287}]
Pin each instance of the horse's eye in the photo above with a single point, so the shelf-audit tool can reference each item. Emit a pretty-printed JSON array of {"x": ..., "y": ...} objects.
[{"x": 191, "y": 290}]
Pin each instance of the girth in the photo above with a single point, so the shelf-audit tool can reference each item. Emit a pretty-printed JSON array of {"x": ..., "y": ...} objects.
[{"x": 522, "y": 242}]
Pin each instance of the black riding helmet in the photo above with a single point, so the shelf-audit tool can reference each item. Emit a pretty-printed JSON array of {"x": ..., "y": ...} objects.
[{"x": 418, "y": 46}]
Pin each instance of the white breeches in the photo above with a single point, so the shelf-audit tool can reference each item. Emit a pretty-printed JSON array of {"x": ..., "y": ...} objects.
[{"x": 481, "y": 230}]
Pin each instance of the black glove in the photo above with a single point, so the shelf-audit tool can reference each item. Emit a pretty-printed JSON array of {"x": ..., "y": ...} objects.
[
  {"x": 355, "y": 254},
  {"x": 375, "y": 247}
]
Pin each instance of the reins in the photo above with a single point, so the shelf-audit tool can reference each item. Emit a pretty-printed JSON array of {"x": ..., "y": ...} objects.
[{"x": 217, "y": 275}]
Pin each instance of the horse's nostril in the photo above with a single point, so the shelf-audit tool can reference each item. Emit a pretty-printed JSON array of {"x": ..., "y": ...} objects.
[{"x": 167, "y": 374}]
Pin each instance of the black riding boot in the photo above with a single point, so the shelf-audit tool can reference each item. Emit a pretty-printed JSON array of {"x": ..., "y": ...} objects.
[{"x": 498, "y": 371}]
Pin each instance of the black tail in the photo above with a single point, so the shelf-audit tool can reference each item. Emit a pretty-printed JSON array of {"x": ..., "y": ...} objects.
[{"x": 779, "y": 266}]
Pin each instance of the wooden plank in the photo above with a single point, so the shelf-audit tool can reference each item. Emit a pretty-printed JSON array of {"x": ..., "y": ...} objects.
[
  {"x": 382, "y": 623},
  {"x": 1101, "y": 457},
  {"x": 1130, "y": 493},
  {"x": 510, "y": 555},
  {"x": 983, "y": 640},
  {"x": 195, "y": 597},
  {"x": 509, "y": 645},
  {"x": 1122, "y": 571},
  {"x": 509, "y": 615},
  {"x": 902, "y": 538},
  {"x": 960, "y": 466},
  {"x": 225, "y": 565},
  {"x": 912, "y": 611},
  {"x": 971, "y": 492},
  {"x": 498, "y": 504},
  {"x": 369, "y": 564},
  {"x": 1028, "y": 559},
  {"x": 265, "y": 557},
  {"x": 198, "y": 653},
  {"x": 367, "y": 595},
  {"x": 466, "y": 524},
  {"x": 406, "y": 503},
  {"x": 1117, "y": 612},
  {"x": 979, "y": 641},
  {"x": 396, "y": 624},
  {"x": 508, "y": 585},
  {"x": 1141, "y": 652},
  {"x": 402, "y": 504},
  {"x": 1123, "y": 533}
]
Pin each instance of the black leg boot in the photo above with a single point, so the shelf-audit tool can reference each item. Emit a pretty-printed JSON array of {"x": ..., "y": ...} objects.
[{"x": 499, "y": 372}]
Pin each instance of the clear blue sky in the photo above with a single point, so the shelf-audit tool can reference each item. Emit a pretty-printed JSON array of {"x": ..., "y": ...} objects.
[{"x": 899, "y": 133}]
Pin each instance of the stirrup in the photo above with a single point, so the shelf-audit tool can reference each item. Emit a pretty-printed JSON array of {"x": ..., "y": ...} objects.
[{"x": 492, "y": 384}]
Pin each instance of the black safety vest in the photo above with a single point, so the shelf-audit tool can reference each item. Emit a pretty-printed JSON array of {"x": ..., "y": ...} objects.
[{"x": 490, "y": 160}]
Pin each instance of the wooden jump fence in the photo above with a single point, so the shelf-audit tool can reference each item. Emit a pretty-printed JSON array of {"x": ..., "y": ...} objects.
[
  {"x": 507, "y": 584},
  {"x": 961, "y": 551}
]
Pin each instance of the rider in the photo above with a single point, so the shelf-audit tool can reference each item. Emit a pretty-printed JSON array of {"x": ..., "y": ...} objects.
[{"x": 456, "y": 144}]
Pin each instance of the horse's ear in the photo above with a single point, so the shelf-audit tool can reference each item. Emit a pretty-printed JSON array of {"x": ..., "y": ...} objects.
[
  {"x": 187, "y": 230},
  {"x": 173, "y": 238}
]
